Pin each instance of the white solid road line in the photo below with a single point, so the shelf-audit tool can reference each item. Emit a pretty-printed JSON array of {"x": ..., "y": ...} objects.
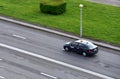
[
  {"x": 0, "y": 59},
  {"x": 50, "y": 76},
  {"x": 2, "y": 77},
  {"x": 18, "y": 36},
  {"x": 55, "y": 61}
]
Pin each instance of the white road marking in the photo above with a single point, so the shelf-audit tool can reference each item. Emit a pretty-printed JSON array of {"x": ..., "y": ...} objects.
[
  {"x": 56, "y": 61},
  {"x": 18, "y": 36},
  {"x": 50, "y": 76},
  {"x": 0, "y": 59},
  {"x": 2, "y": 77}
]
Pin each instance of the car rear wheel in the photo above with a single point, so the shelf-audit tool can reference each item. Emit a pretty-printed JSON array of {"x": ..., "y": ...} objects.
[
  {"x": 66, "y": 48},
  {"x": 84, "y": 54}
]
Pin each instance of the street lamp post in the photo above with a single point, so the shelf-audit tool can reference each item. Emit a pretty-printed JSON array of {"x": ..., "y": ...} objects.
[{"x": 81, "y": 6}]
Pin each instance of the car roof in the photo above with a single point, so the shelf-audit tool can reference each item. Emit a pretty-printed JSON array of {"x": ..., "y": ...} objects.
[{"x": 83, "y": 41}]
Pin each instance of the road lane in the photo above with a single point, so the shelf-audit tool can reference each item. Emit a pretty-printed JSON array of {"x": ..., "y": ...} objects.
[
  {"x": 50, "y": 45},
  {"x": 55, "y": 61},
  {"x": 29, "y": 67}
]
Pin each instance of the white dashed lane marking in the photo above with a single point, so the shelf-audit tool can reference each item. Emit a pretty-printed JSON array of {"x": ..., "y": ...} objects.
[
  {"x": 47, "y": 75},
  {"x": 19, "y": 36},
  {"x": 1, "y": 77}
]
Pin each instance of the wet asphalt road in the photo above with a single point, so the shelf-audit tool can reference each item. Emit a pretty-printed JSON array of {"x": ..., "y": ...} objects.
[{"x": 50, "y": 45}]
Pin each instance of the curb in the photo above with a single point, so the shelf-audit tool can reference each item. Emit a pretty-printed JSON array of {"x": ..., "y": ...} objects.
[{"x": 58, "y": 33}]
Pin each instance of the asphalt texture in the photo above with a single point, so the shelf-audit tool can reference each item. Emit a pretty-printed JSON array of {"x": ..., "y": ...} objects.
[
  {"x": 51, "y": 45},
  {"x": 15, "y": 65}
]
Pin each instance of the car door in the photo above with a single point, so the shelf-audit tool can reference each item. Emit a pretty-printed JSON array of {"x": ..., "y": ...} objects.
[
  {"x": 73, "y": 46},
  {"x": 81, "y": 48}
]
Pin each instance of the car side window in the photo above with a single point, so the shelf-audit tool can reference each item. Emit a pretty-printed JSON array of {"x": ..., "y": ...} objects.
[
  {"x": 74, "y": 44},
  {"x": 84, "y": 46},
  {"x": 81, "y": 45}
]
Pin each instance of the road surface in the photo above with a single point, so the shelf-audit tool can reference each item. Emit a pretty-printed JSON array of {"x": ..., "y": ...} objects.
[
  {"x": 14, "y": 65},
  {"x": 50, "y": 45}
]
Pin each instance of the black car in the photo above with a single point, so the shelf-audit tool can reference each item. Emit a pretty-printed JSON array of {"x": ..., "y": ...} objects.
[{"x": 81, "y": 46}]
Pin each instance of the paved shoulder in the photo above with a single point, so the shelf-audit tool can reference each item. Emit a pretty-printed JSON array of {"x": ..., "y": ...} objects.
[{"x": 110, "y": 2}]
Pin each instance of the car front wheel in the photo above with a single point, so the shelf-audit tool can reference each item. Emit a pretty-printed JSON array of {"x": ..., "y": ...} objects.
[{"x": 66, "y": 48}]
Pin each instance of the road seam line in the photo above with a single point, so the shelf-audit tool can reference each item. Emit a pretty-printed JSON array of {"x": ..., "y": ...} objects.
[{"x": 56, "y": 61}]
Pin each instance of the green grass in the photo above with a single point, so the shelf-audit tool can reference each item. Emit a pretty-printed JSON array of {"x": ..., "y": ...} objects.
[
  {"x": 52, "y": 2},
  {"x": 100, "y": 22}
]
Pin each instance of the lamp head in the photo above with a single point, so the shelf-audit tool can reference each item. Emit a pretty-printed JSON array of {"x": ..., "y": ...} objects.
[{"x": 81, "y": 5}]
